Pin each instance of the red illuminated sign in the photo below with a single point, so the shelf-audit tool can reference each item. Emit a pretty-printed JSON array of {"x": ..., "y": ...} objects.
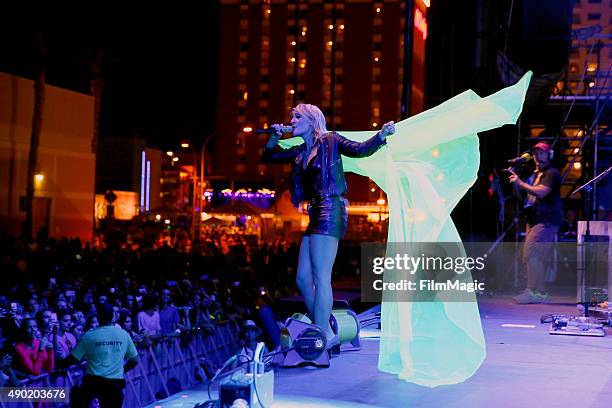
[{"x": 420, "y": 22}]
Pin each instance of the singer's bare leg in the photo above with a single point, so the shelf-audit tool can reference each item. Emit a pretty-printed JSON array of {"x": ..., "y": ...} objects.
[
  {"x": 323, "y": 249},
  {"x": 304, "y": 280}
]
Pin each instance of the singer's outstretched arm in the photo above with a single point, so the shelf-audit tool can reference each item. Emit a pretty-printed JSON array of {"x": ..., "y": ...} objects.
[
  {"x": 351, "y": 148},
  {"x": 367, "y": 148}
]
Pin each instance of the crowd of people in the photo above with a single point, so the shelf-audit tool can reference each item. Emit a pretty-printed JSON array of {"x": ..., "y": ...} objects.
[{"x": 158, "y": 281}]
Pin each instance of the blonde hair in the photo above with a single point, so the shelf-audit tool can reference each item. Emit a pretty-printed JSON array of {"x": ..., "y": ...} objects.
[{"x": 314, "y": 115}]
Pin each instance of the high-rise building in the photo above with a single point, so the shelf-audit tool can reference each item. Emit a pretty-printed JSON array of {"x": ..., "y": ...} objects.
[
  {"x": 586, "y": 86},
  {"x": 591, "y": 51},
  {"x": 347, "y": 57}
]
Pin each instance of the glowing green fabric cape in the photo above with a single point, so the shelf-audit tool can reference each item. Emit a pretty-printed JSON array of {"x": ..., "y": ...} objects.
[{"x": 425, "y": 169}]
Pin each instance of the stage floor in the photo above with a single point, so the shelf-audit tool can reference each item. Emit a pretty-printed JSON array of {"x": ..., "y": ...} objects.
[{"x": 525, "y": 367}]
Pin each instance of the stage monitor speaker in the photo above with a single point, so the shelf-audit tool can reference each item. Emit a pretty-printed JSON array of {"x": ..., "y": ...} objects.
[
  {"x": 345, "y": 324},
  {"x": 307, "y": 345}
]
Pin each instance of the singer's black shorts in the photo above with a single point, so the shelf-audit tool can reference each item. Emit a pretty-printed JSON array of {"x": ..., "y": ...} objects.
[{"x": 328, "y": 216}]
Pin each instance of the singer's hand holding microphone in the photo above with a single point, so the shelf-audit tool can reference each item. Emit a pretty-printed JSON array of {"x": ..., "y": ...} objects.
[{"x": 276, "y": 131}]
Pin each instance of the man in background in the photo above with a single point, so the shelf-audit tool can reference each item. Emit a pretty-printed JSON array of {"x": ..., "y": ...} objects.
[{"x": 545, "y": 218}]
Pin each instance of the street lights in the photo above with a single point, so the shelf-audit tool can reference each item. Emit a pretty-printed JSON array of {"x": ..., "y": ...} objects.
[
  {"x": 186, "y": 145},
  {"x": 381, "y": 202},
  {"x": 198, "y": 193}
]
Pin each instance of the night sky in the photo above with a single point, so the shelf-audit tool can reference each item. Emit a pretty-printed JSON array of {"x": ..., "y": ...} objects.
[
  {"x": 159, "y": 72},
  {"x": 161, "y": 64}
]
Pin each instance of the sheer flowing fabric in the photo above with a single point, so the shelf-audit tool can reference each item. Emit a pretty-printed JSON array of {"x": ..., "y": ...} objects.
[{"x": 427, "y": 166}]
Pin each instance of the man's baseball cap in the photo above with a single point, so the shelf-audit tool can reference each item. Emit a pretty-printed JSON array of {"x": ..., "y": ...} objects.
[{"x": 542, "y": 146}]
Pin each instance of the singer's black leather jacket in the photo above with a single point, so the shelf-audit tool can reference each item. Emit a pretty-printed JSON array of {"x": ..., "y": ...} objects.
[{"x": 327, "y": 157}]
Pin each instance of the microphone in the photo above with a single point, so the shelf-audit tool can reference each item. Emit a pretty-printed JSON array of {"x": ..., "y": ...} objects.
[
  {"x": 284, "y": 129},
  {"x": 521, "y": 159}
]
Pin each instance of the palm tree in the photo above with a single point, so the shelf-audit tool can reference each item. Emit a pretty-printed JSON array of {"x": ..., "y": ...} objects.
[
  {"x": 94, "y": 62},
  {"x": 37, "y": 120}
]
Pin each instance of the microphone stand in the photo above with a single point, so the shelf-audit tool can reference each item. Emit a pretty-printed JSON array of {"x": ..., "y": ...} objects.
[
  {"x": 502, "y": 231},
  {"x": 516, "y": 222},
  {"x": 588, "y": 188}
]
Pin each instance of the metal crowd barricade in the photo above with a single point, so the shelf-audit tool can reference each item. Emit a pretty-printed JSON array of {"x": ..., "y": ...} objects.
[
  {"x": 165, "y": 366},
  {"x": 174, "y": 363}
]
